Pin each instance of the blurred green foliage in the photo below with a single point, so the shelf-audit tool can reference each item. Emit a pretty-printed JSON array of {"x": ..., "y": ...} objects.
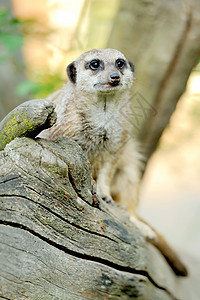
[
  {"x": 41, "y": 87},
  {"x": 11, "y": 37},
  {"x": 12, "y": 33}
]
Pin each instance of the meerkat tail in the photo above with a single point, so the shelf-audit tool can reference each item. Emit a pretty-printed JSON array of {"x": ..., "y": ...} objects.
[{"x": 156, "y": 239}]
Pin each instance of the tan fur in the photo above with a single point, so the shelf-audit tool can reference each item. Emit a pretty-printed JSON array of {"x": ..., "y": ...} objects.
[
  {"x": 91, "y": 114},
  {"x": 92, "y": 111}
]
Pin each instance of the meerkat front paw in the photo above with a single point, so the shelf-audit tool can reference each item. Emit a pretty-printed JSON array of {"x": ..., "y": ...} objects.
[
  {"x": 95, "y": 197},
  {"x": 108, "y": 199},
  {"x": 103, "y": 191}
]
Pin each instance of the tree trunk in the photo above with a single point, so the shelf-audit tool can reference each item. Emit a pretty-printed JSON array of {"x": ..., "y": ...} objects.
[
  {"x": 54, "y": 243},
  {"x": 163, "y": 41}
]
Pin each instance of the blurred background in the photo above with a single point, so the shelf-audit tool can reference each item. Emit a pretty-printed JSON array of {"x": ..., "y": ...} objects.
[{"x": 38, "y": 39}]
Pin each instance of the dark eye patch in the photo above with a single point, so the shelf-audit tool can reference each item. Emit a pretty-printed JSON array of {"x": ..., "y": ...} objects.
[
  {"x": 94, "y": 65},
  {"x": 120, "y": 63}
]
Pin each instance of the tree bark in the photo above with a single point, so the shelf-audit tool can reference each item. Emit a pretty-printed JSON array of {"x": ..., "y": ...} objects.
[
  {"x": 54, "y": 243},
  {"x": 162, "y": 40}
]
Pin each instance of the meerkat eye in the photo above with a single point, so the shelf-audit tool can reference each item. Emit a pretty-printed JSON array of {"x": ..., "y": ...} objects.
[
  {"x": 94, "y": 64},
  {"x": 120, "y": 63}
]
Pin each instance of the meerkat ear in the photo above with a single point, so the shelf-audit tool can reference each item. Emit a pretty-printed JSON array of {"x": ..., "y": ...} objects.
[
  {"x": 131, "y": 65},
  {"x": 71, "y": 72}
]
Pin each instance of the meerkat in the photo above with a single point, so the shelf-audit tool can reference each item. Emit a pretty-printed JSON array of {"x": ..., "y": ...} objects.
[{"x": 92, "y": 109}]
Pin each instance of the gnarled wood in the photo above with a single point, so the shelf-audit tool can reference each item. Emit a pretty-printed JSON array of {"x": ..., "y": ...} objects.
[
  {"x": 56, "y": 245},
  {"x": 27, "y": 119}
]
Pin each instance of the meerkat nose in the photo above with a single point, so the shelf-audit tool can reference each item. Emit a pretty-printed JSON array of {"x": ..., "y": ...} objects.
[{"x": 114, "y": 78}]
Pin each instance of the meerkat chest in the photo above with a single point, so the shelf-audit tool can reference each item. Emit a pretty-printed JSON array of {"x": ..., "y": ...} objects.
[{"x": 103, "y": 130}]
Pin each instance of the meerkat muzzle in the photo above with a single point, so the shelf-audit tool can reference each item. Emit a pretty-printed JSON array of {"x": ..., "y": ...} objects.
[{"x": 114, "y": 79}]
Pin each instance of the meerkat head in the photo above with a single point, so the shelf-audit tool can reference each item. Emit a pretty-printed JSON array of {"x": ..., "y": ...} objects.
[{"x": 101, "y": 71}]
